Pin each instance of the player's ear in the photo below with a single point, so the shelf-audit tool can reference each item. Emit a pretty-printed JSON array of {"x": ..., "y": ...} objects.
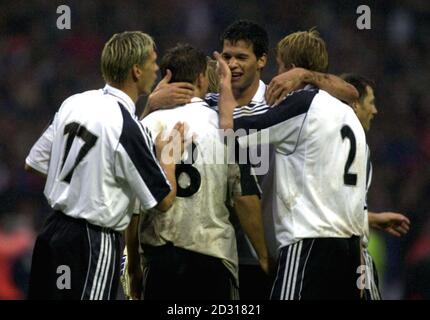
[
  {"x": 136, "y": 72},
  {"x": 261, "y": 62},
  {"x": 354, "y": 106}
]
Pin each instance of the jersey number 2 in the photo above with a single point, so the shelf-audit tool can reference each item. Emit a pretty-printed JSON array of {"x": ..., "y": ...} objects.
[
  {"x": 72, "y": 130},
  {"x": 349, "y": 179}
]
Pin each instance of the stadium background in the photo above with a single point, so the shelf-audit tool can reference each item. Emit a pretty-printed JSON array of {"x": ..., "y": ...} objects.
[{"x": 41, "y": 65}]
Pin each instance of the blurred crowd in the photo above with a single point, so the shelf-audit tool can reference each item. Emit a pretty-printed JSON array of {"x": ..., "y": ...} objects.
[{"x": 41, "y": 65}]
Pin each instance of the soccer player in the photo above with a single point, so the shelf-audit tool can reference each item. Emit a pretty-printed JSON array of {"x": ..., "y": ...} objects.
[
  {"x": 318, "y": 182},
  {"x": 97, "y": 158},
  {"x": 393, "y": 223},
  {"x": 190, "y": 250},
  {"x": 245, "y": 49}
]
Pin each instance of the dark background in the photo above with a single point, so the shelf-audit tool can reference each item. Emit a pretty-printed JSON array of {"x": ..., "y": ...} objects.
[{"x": 41, "y": 65}]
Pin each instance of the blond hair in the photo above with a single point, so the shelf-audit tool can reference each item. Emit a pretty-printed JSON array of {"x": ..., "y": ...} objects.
[
  {"x": 213, "y": 75},
  {"x": 305, "y": 49},
  {"x": 121, "y": 52}
]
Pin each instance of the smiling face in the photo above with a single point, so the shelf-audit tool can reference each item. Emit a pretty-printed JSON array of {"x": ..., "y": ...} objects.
[
  {"x": 366, "y": 109},
  {"x": 243, "y": 63}
]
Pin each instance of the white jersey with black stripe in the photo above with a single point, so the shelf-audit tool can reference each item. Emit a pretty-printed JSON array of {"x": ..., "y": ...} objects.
[
  {"x": 98, "y": 158},
  {"x": 257, "y": 106},
  {"x": 198, "y": 219},
  {"x": 319, "y": 178}
]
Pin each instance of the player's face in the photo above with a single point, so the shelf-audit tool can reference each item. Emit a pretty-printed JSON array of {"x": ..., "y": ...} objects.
[
  {"x": 149, "y": 73},
  {"x": 244, "y": 65},
  {"x": 366, "y": 109}
]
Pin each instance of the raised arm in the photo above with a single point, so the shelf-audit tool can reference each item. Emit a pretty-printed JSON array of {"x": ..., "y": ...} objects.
[
  {"x": 296, "y": 78},
  {"x": 226, "y": 103}
]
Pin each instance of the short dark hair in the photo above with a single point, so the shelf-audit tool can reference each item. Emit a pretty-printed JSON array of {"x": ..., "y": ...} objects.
[
  {"x": 185, "y": 62},
  {"x": 359, "y": 82},
  {"x": 249, "y": 32}
]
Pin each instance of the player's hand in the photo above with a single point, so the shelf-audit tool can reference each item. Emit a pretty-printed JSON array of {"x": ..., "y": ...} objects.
[
  {"x": 393, "y": 223},
  {"x": 167, "y": 95},
  {"x": 170, "y": 147},
  {"x": 283, "y": 84},
  {"x": 136, "y": 284},
  {"x": 223, "y": 70}
]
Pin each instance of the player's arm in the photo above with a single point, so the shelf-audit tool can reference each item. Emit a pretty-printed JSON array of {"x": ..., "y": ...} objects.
[
  {"x": 392, "y": 223},
  {"x": 226, "y": 103},
  {"x": 280, "y": 126},
  {"x": 38, "y": 159},
  {"x": 150, "y": 176},
  {"x": 30, "y": 169},
  {"x": 134, "y": 268},
  {"x": 167, "y": 95},
  {"x": 296, "y": 78},
  {"x": 248, "y": 210},
  {"x": 244, "y": 196}
]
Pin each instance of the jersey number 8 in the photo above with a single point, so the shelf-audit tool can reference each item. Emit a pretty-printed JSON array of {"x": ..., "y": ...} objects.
[{"x": 186, "y": 171}]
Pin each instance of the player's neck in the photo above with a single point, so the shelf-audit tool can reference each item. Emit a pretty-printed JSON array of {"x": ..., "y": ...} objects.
[
  {"x": 199, "y": 93},
  {"x": 129, "y": 90},
  {"x": 245, "y": 96}
]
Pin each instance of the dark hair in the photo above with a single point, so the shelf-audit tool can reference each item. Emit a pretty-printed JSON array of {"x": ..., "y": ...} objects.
[
  {"x": 185, "y": 62},
  {"x": 249, "y": 32},
  {"x": 359, "y": 82}
]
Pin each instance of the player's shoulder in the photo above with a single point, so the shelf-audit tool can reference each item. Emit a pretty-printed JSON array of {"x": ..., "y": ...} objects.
[
  {"x": 196, "y": 111},
  {"x": 325, "y": 101},
  {"x": 89, "y": 94},
  {"x": 82, "y": 99},
  {"x": 299, "y": 101}
]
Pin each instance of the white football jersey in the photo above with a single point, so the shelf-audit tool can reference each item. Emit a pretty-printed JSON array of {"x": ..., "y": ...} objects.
[
  {"x": 319, "y": 177},
  {"x": 98, "y": 158},
  {"x": 199, "y": 219}
]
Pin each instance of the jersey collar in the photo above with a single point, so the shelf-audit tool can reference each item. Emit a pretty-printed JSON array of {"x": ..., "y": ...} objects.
[
  {"x": 122, "y": 96},
  {"x": 259, "y": 95},
  {"x": 196, "y": 99}
]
